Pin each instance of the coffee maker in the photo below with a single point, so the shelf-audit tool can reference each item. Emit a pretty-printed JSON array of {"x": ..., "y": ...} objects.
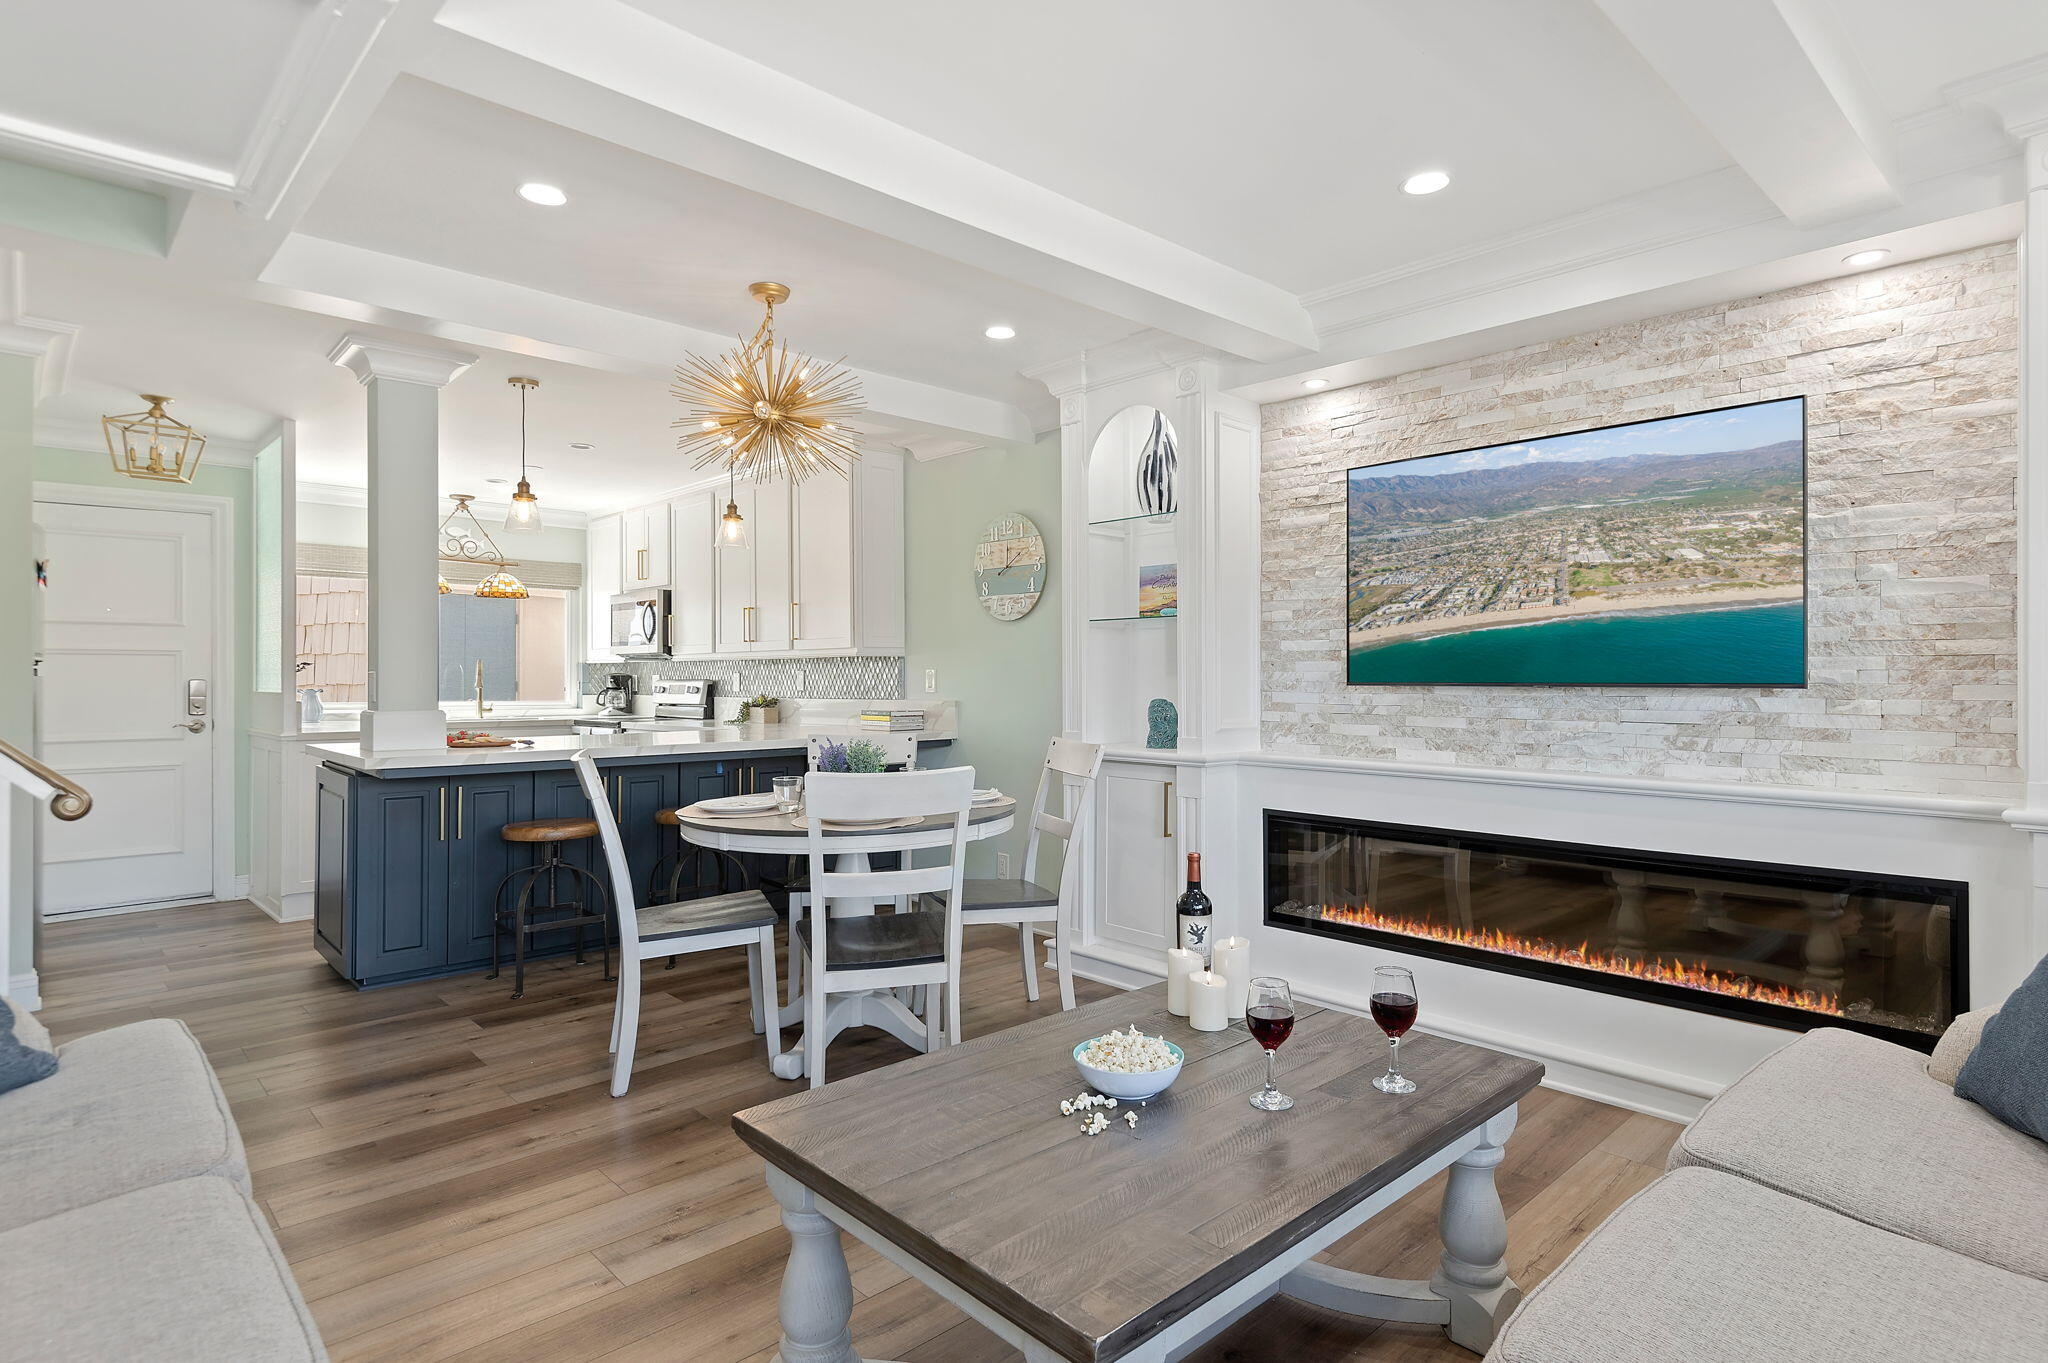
[{"x": 616, "y": 698}]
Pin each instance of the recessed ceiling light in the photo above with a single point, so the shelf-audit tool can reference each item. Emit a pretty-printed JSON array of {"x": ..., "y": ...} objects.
[
  {"x": 497, "y": 480},
  {"x": 1313, "y": 384},
  {"x": 547, "y": 196},
  {"x": 1861, "y": 258},
  {"x": 999, "y": 332},
  {"x": 1425, "y": 182},
  {"x": 581, "y": 445}
]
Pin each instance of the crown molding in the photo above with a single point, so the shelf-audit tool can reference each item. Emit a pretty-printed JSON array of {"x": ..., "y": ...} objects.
[
  {"x": 370, "y": 357},
  {"x": 46, "y": 341},
  {"x": 925, "y": 448},
  {"x": 2017, "y": 94},
  {"x": 342, "y": 494}
]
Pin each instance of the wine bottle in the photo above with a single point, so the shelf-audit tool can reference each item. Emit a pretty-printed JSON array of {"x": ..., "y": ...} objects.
[{"x": 1196, "y": 913}]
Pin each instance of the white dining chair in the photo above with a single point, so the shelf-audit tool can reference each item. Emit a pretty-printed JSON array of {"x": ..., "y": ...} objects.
[
  {"x": 871, "y": 952},
  {"x": 1070, "y": 768},
  {"x": 657, "y": 931}
]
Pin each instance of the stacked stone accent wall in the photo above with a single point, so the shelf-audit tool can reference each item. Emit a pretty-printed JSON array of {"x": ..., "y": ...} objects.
[{"x": 1911, "y": 379}]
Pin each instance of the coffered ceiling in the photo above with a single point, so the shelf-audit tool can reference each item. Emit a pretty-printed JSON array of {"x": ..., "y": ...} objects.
[{"x": 1171, "y": 173}]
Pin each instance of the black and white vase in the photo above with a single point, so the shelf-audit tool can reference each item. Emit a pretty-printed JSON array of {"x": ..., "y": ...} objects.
[{"x": 1158, "y": 471}]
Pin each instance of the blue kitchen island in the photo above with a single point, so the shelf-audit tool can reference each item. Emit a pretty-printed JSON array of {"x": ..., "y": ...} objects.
[{"x": 409, "y": 856}]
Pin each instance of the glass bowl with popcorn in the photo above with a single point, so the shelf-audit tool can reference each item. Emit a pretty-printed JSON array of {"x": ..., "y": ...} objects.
[{"x": 1128, "y": 1065}]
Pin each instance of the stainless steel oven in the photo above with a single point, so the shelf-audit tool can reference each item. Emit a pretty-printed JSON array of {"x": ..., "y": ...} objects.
[{"x": 639, "y": 624}]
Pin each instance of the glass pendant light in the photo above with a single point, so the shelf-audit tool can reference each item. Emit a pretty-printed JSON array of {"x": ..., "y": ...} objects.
[
  {"x": 525, "y": 511},
  {"x": 502, "y": 584},
  {"x": 732, "y": 526}
]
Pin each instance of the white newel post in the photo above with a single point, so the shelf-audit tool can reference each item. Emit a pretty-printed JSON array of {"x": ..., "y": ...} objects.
[{"x": 404, "y": 386}]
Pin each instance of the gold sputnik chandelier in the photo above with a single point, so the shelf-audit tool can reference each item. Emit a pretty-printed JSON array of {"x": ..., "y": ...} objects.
[{"x": 766, "y": 412}]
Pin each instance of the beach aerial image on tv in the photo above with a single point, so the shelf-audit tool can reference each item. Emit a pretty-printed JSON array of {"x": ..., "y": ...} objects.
[{"x": 1669, "y": 552}]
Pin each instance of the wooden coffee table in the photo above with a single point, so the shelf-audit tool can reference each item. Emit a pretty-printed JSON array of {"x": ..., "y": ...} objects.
[{"x": 1140, "y": 1244}]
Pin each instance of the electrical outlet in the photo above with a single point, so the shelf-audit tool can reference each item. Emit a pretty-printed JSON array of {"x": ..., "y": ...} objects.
[
  {"x": 1002, "y": 866},
  {"x": 800, "y": 688},
  {"x": 931, "y": 680}
]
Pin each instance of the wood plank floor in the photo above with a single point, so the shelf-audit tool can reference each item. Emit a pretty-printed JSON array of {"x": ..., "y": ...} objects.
[{"x": 451, "y": 1179}]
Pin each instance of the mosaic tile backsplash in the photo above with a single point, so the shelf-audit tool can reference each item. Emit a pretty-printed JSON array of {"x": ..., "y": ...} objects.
[{"x": 875, "y": 678}]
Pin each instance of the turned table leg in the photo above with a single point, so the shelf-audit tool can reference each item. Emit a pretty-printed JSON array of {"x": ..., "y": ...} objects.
[
  {"x": 1473, "y": 1273},
  {"x": 817, "y": 1293}
]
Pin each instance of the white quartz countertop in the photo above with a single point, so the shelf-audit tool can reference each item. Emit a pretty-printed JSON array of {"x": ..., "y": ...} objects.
[{"x": 559, "y": 747}]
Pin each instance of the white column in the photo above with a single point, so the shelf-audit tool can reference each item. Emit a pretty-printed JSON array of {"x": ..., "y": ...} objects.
[
  {"x": 2033, "y": 253},
  {"x": 405, "y": 386}
]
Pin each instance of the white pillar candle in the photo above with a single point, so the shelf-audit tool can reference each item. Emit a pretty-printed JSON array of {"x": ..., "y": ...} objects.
[
  {"x": 1180, "y": 963},
  {"x": 1232, "y": 959},
  {"x": 1208, "y": 1005}
]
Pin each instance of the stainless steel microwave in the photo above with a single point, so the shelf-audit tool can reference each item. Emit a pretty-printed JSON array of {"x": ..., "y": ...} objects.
[{"x": 639, "y": 627}]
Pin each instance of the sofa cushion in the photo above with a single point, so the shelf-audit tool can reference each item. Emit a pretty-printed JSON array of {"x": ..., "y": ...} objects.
[
  {"x": 184, "y": 1272},
  {"x": 2007, "y": 1075},
  {"x": 128, "y": 1108},
  {"x": 1702, "y": 1267},
  {"x": 1855, "y": 1124},
  {"x": 25, "y": 1051},
  {"x": 1958, "y": 1039}
]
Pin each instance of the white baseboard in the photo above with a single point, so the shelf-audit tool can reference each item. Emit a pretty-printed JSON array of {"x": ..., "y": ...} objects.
[
  {"x": 292, "y": 908},
  {"x": 25, "y": 991},
  {"x": 1659, "y": 1093}
]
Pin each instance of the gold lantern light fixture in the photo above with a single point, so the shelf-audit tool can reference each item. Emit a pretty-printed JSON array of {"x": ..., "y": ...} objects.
[
  {"x": 464, "y": 540},
  {"x": 153, "y": 445},
  {"x": 765, "y": 411},
  {"x": 524, "y": 513}
]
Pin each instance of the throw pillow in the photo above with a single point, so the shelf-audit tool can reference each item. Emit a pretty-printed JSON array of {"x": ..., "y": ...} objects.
[
  {"x": 26, "y": 1054},
  {"x": 2007, "y": 1075}
]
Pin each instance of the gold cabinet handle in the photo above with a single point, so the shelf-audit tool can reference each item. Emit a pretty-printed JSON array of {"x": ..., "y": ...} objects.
[
  {"x": 460, "y": 792},
  {"x": 795, "y": 631},
  {"x": 640, "y": 564},
  {"x": 1166, "y": 810},
  {"x": 444, "y": 814},
  {"x": 747, "y": 624}
]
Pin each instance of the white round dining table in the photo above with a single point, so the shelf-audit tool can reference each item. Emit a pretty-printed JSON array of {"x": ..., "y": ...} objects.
[{"x": 777, "y": 834}]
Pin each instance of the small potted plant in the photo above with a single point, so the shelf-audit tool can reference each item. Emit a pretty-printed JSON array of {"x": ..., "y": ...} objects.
[
  {"x": 761, "y": 710},
  {"x": 854, "y": 755}
]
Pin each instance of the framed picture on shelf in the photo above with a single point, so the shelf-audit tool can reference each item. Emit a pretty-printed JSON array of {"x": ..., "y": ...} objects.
[{"x": 1158, "y": 590}]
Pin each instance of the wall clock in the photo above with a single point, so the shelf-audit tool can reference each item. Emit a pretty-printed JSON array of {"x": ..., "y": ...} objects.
[{"x": 1009, "y": 567}]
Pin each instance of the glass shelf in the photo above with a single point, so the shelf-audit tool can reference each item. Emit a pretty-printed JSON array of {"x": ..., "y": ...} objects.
[
  {"x": 1126, "y": 520},
  {"x": 1129, "y": 619}
]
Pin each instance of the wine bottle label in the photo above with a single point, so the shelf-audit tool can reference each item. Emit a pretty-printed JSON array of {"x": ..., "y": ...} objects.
[{"x": 1194, "y": 933}]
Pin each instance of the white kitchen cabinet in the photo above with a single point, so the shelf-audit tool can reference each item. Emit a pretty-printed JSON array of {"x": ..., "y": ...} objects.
[
  {"x": 878, "y": 542},
  {"x": 644, "y": 561},
  {"x": 1137, "y": 855},
  {"x": 733, "y": 569},
  {"x": 823, "y": 579},
  {"x": 602, "y": 560},
  {"x": 693, "y": 577},
  {"x": 774, "y": 542}
]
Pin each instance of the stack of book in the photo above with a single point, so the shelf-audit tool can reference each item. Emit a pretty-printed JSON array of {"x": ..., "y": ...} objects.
[{"x": 903, "y": 720}]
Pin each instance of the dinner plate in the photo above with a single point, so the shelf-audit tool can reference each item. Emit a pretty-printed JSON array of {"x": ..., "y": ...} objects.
[
  {"x": 858, "y": 825},
  {"x": 988, "y": 796},
  {"x": 716, "y": 815},
  {"x": 752, "y": 804}
]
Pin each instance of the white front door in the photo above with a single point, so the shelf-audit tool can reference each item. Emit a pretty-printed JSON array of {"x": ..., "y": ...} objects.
[{"x": 125, "y": 706}]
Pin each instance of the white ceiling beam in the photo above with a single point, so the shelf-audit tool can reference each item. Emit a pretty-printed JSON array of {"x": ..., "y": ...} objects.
[
  {"x": 339, "y": 280},
  {"x": 613, "y": 71},
  {"x": 1775, "y": 84}
]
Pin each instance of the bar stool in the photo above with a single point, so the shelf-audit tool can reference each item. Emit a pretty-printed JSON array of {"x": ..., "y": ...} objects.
[
  {"x": 709, "y": 871},
  {"x": 548, "y": 835}
]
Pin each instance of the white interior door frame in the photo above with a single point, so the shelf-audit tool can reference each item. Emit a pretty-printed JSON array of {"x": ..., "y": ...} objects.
[{"x": 222, "y": 704}]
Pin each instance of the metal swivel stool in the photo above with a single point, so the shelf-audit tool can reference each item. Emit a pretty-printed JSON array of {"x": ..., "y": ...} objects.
[
  {"x": 527, "y": 917},
  {"x": 691, "y": 872}
]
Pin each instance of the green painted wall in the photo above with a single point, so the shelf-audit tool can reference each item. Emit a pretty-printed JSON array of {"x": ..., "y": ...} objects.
[
  {"x": 1004, "y": 674},
  {"x": 61, "y": 204},
  {"x": 81, "y": 469},
  {"x": 17, "y": 634}
]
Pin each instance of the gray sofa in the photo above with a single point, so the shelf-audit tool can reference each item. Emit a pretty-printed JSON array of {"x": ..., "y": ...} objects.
[
  {"x": 126, "y": 1226},
  {"x": 1838, "y": 1202}
]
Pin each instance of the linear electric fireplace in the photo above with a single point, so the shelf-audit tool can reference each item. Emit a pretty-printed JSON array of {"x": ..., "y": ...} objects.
[{"x": 1790, "y": 946}]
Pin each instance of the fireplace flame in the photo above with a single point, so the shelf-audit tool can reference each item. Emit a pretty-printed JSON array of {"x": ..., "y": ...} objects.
[{"x": 1586, "y": 957}]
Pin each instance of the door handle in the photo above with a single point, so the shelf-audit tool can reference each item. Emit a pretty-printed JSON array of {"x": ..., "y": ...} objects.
[{"x": 197, "y": 726}]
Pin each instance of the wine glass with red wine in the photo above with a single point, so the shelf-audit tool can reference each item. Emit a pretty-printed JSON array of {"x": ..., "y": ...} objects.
[
  {"x": 1269, "y": 1015},
  {"x": 1393, "y": 1008}
]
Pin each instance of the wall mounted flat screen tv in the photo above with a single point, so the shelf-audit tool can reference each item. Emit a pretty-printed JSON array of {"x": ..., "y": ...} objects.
[{"x": 1669, "y": 552}]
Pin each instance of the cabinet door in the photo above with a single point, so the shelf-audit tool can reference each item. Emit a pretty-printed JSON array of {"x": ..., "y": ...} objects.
[
  {"x": 705, "y": 781},
  {"x": 638, "y": 793},
  {"x": 693, "y": 581},
  {"x": 478, "y": 859},
  {"x": 644, "y": 562},
  {"x": 878, "y": 531},
  {"x": 821, "y": 591},
  {"x": 1137, "y": 855},
  {"x": 331, "y": 871},
  {"x": 399, "y": 896},
  {"x": 773, "y": 586},
  {"x": 601, "y": 558},
  {"x": 733, "y": 619}
]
